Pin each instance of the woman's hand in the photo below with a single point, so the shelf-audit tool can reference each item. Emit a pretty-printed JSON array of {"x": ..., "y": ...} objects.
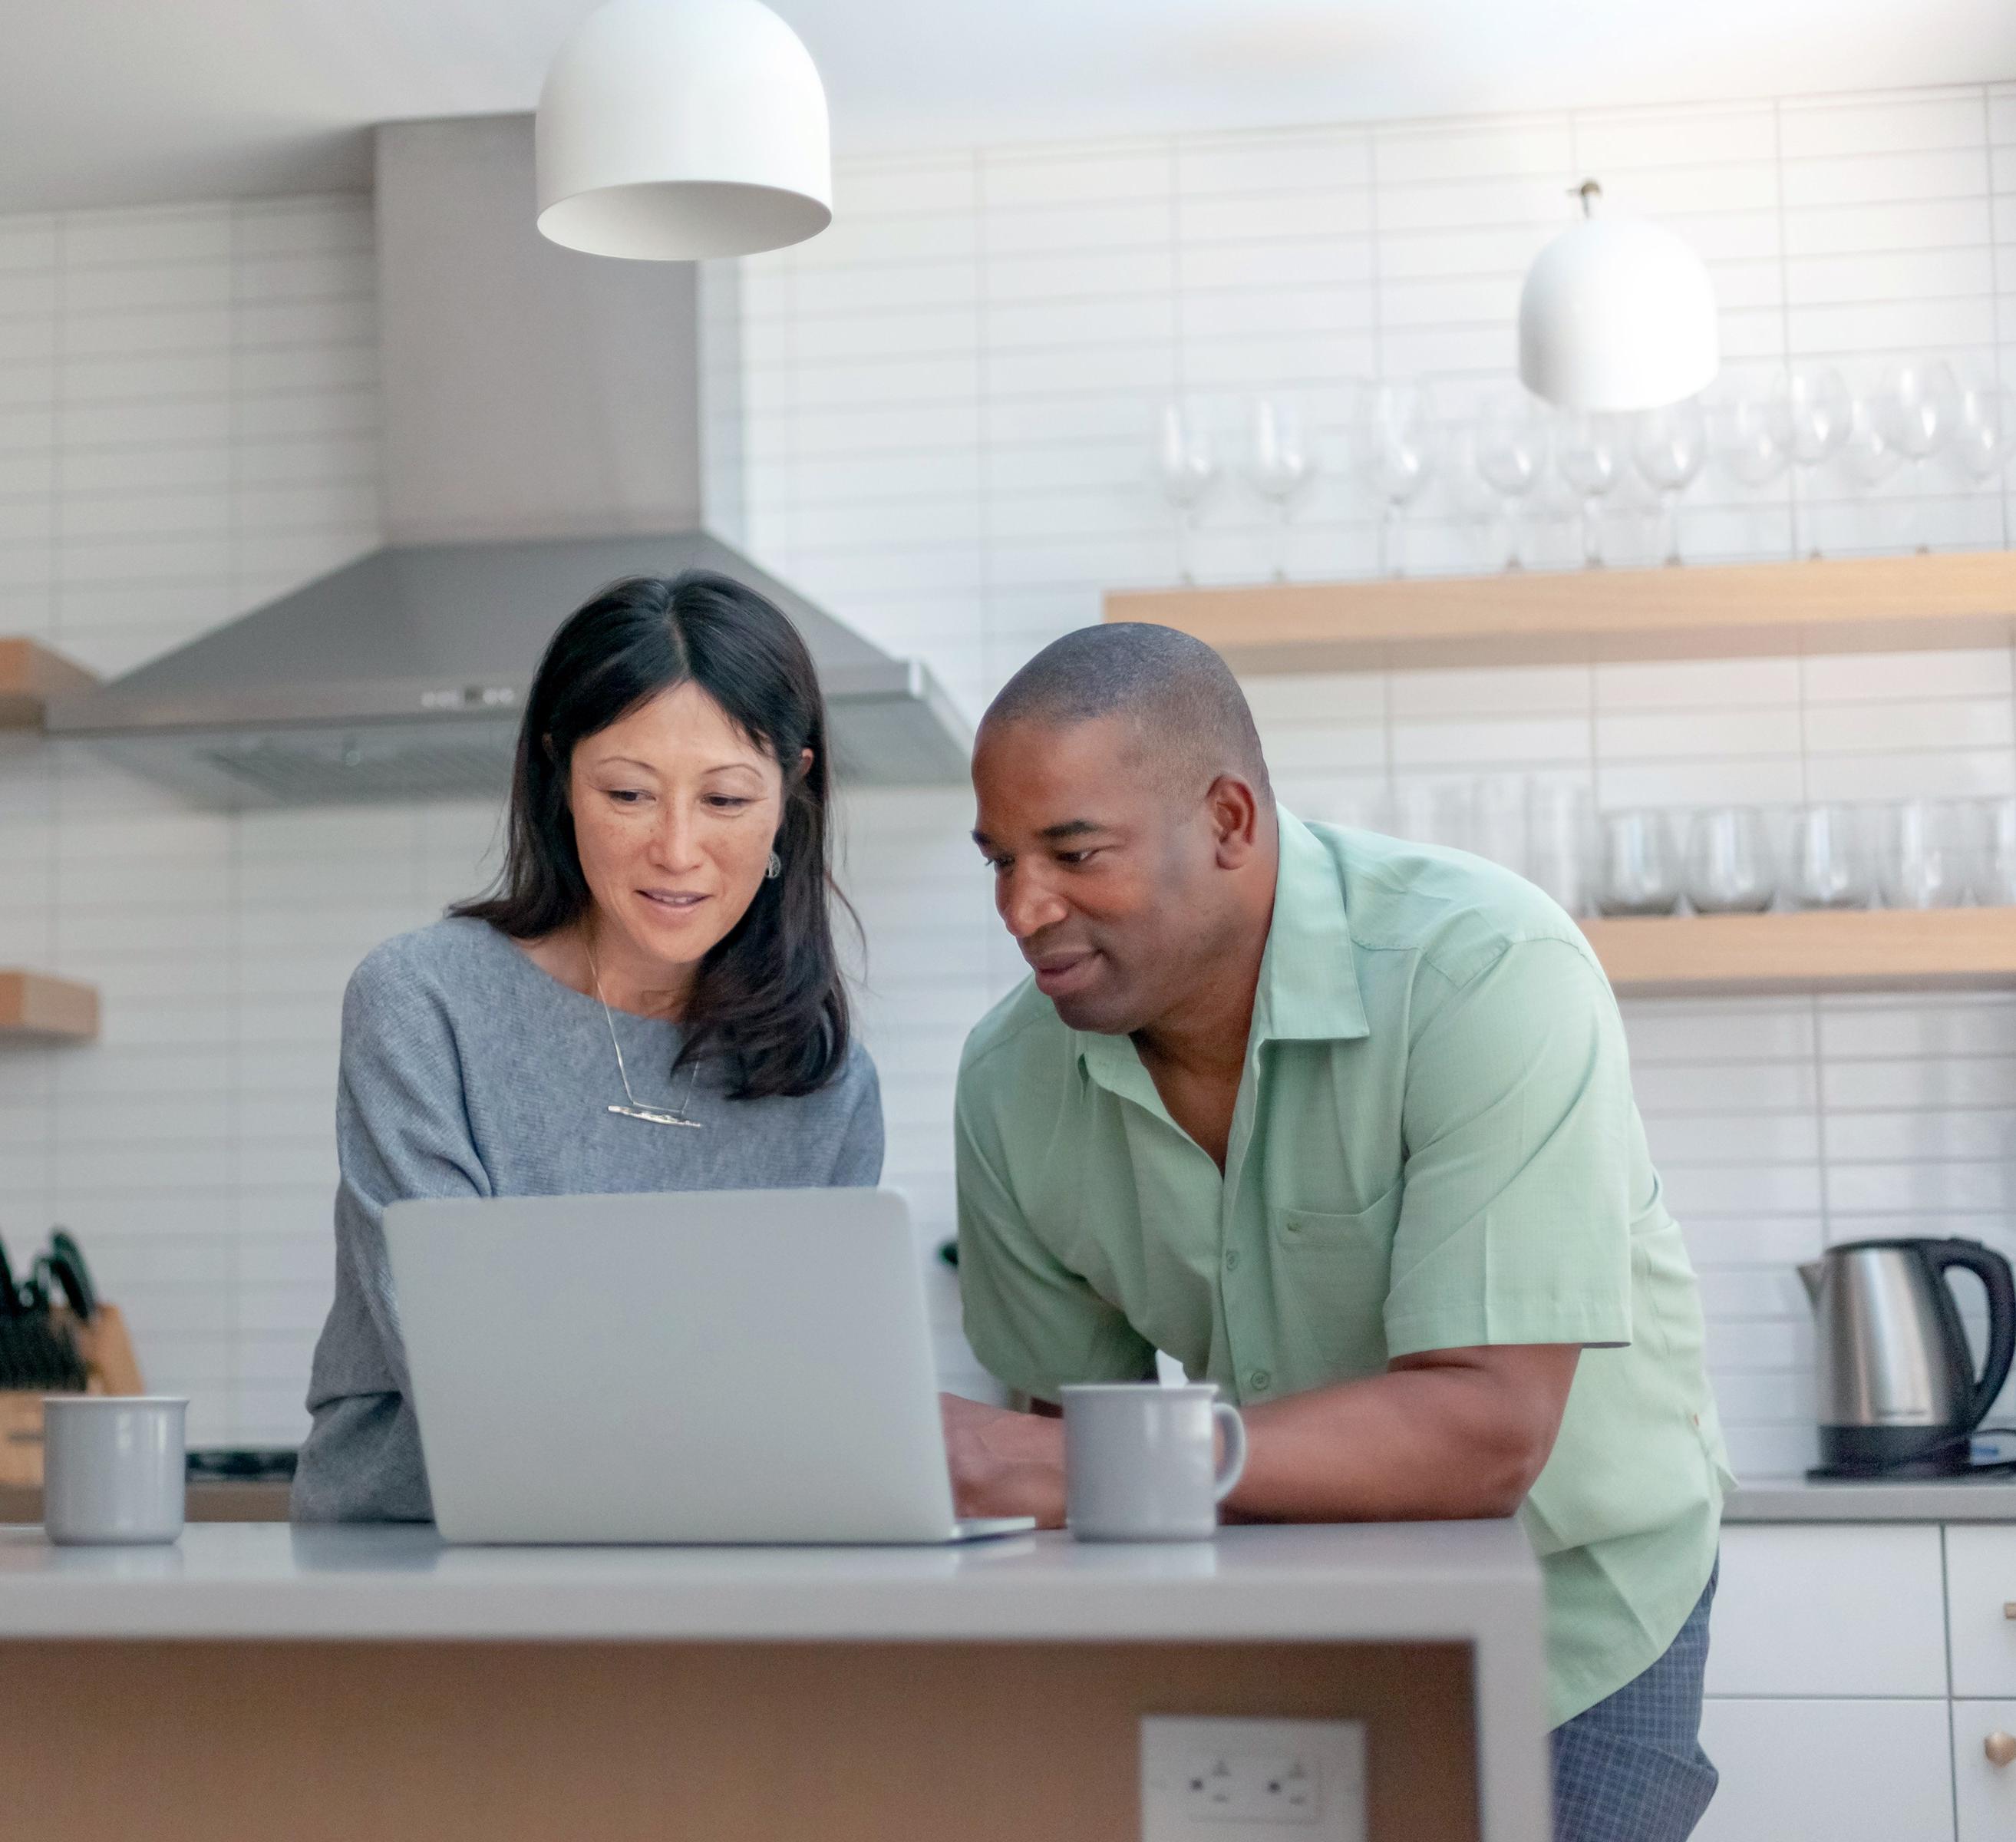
[{"x": 1002, "y": 1463}]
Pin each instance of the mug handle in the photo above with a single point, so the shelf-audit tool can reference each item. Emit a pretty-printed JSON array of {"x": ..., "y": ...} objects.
[{"x": 1233, "y": 1464}]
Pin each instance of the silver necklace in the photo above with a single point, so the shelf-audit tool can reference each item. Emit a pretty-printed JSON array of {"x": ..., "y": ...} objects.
[{"x": 651, "y": 1114}]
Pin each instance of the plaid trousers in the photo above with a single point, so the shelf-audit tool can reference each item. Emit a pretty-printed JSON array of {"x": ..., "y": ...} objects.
[{"x": 1631, "y": 1769}]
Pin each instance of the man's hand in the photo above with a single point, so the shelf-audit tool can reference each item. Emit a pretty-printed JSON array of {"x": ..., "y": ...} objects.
[{"x": 1002, "y": 1463}]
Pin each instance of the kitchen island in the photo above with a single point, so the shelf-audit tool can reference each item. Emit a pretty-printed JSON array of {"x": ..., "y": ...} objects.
[{"x": 256, "y": 1680}]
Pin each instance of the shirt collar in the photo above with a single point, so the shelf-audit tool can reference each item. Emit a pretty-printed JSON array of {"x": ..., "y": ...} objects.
[
  {"x": 1309, "y": 974},
  {"x": 1309, "y": 977}
]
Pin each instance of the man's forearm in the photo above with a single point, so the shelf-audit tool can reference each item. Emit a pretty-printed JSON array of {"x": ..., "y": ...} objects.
[
  {"x": 1417, "y": 1444},
  {"x": 1460, "y": 1433}
]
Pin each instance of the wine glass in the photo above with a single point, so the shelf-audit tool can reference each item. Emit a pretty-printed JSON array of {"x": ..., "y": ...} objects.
[
  {"x": 1750, "y": 440},
  {"x": 1189, "y": 473},
  {"x": 1920, "y": 407},
  {"x": 1868, "y": 456},
  {"x": 1471, "y": 496},
  {"x": 1817, "y": 410},
  {"x": 1589, "y": 449},
  {"x": 1670, "y": 444},
  {"x": 1279, "y": 467},
  {"x": 1511, "y": 443},
  {"x": 1984, "y": 430},
  {"x": 1401, "y": 445}
]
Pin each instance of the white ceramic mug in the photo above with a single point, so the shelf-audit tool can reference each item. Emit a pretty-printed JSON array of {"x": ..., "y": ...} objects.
[
  {"x": 1139, "y": 1460},
  {"x": 115, "y": 1467}
]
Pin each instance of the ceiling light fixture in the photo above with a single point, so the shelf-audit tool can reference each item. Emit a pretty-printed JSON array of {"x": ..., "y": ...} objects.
[
  {"x": 671, "y": 130},
  {"x": 1617, "y": 313}
]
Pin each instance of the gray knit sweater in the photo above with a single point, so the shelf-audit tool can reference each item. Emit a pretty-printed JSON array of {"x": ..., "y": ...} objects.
[{"x": 466, "y": 1071}]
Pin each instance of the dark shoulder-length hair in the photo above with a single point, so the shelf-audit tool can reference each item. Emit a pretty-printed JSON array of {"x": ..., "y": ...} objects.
[{"x": 768, "y": 998}]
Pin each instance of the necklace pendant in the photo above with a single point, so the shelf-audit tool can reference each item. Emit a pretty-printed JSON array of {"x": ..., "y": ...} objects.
[{"x": 652, "y": 1116}]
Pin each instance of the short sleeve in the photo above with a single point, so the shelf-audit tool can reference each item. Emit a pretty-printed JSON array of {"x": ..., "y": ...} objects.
[
  {"x": 1035, "y": 1324},
  {"x": 1521, "y": 1156}
]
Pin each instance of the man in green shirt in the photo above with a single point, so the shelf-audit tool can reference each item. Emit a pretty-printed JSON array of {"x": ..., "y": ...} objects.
[{"x": 1345, "y": 1126}]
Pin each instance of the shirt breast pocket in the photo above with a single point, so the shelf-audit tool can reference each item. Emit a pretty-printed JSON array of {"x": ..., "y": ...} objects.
[{"x": 1331, "y": 1274}]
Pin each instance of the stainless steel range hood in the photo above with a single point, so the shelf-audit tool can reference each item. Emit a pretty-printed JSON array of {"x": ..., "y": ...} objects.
[{"x": 551, "y": 423}]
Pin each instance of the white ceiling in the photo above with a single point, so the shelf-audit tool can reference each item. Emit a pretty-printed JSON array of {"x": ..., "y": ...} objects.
[{"x": 128, "y": 101}]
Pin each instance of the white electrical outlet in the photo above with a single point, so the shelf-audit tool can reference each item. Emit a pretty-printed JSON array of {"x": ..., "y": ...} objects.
[{"x": 1251, "y": 1780}]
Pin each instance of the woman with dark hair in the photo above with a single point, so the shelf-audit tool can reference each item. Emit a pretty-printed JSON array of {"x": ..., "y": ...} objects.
[{"x": 649, "y": 999}]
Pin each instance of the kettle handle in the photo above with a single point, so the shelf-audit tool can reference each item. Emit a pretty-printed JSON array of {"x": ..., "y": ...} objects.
[{"x": 1993, "y": 1271}]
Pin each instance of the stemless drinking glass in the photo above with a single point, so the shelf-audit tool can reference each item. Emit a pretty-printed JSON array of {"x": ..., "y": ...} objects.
[
  {"x": 1730, "y": 867},
  {"x": 1499, "y": 804},
  {"x": 1436, "y": 812},
  {"x": 1830, "y": 866},
  {"x": 1558, "y": 844},
  {"x": 1996, "y": 885},
  {"x": 1189, "y": 474},
  {"x": 1639, "y": 873},
  {"x": 1926, "y": 863},
  {"x": 1669, "y": 445}
]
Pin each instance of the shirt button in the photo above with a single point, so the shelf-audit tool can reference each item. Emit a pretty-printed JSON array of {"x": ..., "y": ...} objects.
[
  {"x": 1260, "y": 1381},
  {"x": 1232, "y": 1260}
]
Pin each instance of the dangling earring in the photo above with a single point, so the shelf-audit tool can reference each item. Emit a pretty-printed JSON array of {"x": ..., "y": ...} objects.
[{"x": 774, "y": 869}]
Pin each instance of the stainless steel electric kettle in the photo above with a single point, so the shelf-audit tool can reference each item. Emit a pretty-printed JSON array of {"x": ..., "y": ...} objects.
[{"x": 1897, "y": 1385}]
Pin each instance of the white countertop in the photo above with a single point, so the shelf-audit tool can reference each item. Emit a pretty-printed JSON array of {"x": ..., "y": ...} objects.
[
  {"x": 1935, "y": 1499},
  {"x": 1426, "y": 1581}
]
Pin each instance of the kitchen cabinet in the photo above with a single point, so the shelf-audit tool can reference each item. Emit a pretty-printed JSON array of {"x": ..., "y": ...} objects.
[
  {"x": 1858, "y": 1673},
  {"x": 1816, "y": 1770},
  {"x": 1980, "y": 1609},
  {"x": 1848, "y": 1610},
  {"x": 1985, "y": 1774}
]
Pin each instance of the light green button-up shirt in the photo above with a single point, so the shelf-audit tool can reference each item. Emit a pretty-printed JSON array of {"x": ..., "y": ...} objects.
[{"x": 1434, "y": 1146}]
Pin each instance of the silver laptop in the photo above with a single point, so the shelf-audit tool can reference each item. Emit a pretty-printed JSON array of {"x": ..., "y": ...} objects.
[{"x": 718, "y": 1366}]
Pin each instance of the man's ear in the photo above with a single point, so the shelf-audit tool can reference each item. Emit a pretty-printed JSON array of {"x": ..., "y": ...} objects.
[{"x": 1237, "y": 818}]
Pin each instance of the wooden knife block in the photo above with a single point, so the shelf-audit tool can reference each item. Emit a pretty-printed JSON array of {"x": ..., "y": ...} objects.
[{"x": 109, "y": 1369}]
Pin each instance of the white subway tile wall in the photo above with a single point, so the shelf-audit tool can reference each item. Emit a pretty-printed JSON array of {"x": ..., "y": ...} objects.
[
  {"x": 951, "y": 404},
  {"x": 949, "y": 398}
]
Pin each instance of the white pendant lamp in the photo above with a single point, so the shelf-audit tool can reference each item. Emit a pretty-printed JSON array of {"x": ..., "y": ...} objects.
[
  {"x": 1617, "y": 313},
  {"x": 670, "y": 130}
]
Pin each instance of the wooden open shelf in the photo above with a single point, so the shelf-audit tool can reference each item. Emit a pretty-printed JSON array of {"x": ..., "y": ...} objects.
[
  {"x": 1848, "y": 950},
  {"x": 35, "y": 1007},
  {"x": 1860, "y": 604},
  {"x": 30, "y": 674}
]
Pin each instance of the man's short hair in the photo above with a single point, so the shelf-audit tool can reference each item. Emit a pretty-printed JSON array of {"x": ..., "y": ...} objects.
[{"x": 1191, "y": 717}]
